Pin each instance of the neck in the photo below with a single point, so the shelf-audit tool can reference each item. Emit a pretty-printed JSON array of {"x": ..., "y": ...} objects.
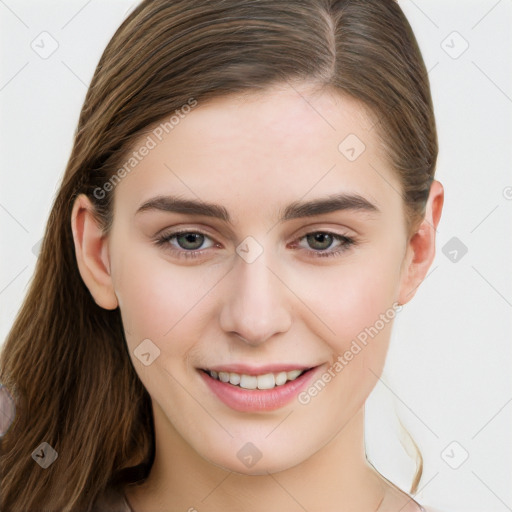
[{"x": 337, "y": 477}]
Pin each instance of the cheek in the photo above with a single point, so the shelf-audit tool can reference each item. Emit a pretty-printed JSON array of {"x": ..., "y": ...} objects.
[
  {"x": 349, "y": 298},
  {"x": 159, "y": 299},
  {"x": 356, "y": 306}
]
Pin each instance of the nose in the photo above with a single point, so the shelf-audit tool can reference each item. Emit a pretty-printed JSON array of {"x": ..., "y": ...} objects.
[{"x": 256, "y": 305}]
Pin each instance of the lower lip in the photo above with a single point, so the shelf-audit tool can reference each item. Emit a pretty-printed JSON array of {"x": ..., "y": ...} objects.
[{"x": 250, "y": 400}]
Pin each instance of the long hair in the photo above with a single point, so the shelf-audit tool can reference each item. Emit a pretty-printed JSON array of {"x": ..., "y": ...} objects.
[{"x": 65, "y": 360}]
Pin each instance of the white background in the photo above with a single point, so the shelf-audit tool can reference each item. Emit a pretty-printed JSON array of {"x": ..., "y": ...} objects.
[{"x": 448, "y": 372}]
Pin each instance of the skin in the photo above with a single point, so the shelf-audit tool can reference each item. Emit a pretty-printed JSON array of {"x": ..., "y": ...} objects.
[{"x": 287, "y": 306}]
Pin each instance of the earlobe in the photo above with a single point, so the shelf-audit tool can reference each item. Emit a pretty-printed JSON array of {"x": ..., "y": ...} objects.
[
  {"x": 91, "y": 249},
  {"x": 422, "y": 245}
]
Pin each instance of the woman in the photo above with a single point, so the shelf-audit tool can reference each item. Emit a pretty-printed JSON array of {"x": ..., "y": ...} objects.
[{"x": 249, "y": 201}]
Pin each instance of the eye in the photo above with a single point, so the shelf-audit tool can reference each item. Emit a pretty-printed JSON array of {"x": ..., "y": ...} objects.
[
  {"x": 194, "y": 244},
  {"x": 323, "y": 242},
  {"x": 189, "y": 240},
  {"x": 187, "y": 244}
]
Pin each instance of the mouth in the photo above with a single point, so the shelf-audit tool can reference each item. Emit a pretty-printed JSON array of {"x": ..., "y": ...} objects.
[
  {"x": 250, "y": 390},
  {"x": 262, "y": 381}
]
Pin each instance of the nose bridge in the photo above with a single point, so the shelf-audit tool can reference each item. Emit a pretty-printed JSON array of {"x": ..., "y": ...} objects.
[{"x": 255, "y": 307}]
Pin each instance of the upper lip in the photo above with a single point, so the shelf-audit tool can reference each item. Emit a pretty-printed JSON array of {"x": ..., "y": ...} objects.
[{"x": 257, "y": 370}]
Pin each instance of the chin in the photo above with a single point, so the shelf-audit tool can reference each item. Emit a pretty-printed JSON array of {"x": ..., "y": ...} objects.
[{"x": 250, "y": 461}]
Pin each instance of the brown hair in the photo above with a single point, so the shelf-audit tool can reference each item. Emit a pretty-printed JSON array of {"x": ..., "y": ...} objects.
[{"x": 65, "y": 359}]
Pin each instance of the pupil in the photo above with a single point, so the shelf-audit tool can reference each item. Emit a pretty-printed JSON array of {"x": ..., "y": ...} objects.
[
  {"x": 319, "y": 241},
  {"x": 194, "y": 239}
]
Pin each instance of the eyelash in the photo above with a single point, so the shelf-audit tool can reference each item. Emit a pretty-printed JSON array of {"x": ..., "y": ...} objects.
[{"x": 346, "y": 243}]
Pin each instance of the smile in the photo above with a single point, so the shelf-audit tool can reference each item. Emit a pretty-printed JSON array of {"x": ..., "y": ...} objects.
[
  {"x": 250, "y": 390},
  {"x": 265, "y": 381}
]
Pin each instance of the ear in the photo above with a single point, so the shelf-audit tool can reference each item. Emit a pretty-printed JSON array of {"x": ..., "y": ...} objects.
[
  {"x": 421, "y": 247},
  {"x": 91, "y": 249}
]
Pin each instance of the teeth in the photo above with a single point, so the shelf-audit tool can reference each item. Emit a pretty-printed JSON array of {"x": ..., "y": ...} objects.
[
  {"x": 294, "y": 374},
  {"x": 281, "y": 378},
  {"x": 234, "y": 379},
  {"x": 266, "y": 381},
  {"x": 248, "y": 381}
]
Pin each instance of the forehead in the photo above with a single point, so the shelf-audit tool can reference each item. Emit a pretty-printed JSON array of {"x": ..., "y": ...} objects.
[{"x": 261, "y": 150}]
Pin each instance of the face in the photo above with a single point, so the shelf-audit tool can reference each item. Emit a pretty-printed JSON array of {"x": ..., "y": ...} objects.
[{"x": 277, "y": 244}]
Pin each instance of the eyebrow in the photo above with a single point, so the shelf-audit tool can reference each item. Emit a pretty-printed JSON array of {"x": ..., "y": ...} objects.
[{"x": 295, "y": 210}]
